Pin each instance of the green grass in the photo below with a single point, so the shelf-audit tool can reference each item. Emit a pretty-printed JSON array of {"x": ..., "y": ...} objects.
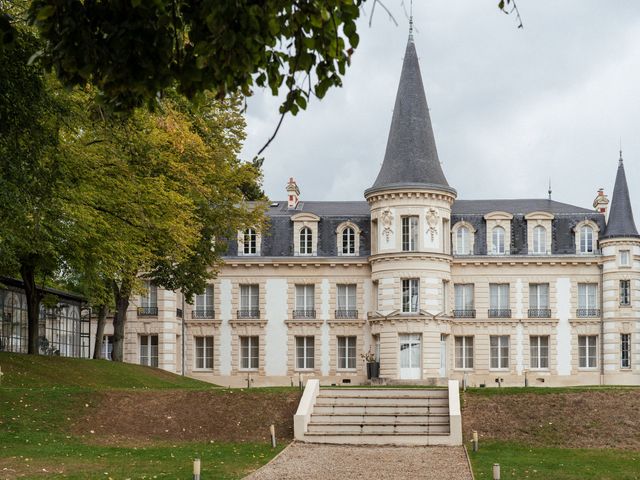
[
  {"x": 40, "y": 398},
  {"x": 523, "y": 462},
  {"x": 493, "y": 391}
]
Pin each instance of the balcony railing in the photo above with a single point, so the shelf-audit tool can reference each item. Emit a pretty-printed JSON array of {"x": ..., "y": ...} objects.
[
  {"x": 346, "y": 313},
  {"x": 203, "y": 313},
  {"x": 249, "y": 313},
  {"x": 539, "y": 313},
  {"x": 465, "y": 313},
  {"x": 147, "y": 311},
  {"x": 304, "y": 313},
  {"x": 499, "y": 313},
  {"x": 587, "y": 312},
  {"x": 179, "y": 312}
]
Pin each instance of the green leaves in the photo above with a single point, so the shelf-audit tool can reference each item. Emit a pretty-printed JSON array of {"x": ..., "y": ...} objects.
[{"x": 224, "y": 46}]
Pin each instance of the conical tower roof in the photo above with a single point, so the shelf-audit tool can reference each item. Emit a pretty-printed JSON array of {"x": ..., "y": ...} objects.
[
  {"x": 620, "y": 223},
  {"x": 411, "y": 159}
]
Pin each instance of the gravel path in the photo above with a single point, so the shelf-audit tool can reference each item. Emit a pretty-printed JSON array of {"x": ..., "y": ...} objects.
[{"x": 322, "y": 462}]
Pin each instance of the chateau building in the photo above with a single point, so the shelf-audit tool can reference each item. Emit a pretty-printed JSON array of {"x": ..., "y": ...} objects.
[{"x": 486, "y": 291}]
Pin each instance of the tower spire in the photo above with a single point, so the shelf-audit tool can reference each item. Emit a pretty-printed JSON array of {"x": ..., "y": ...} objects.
[{"x": 621, "y": 222}]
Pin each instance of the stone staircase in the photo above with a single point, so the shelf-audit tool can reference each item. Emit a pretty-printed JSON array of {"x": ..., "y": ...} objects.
[{"x": 402, "y": 416}]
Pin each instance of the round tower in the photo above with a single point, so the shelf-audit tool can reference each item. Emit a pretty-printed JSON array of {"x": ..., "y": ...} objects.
[
  {"x": 410, "y": 204},
  {"x": 620, "y": 246}
]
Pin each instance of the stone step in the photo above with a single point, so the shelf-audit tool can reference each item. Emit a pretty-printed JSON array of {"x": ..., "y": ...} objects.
[
  {"x": 383, "y": 401},
  {"x": 382, "y": 418},
  {"x": 383, "y": 392},
  {"x": 401, "y": 439},
  {"x": 377, "y": 429},
  {"x": 330, "y": 409}
]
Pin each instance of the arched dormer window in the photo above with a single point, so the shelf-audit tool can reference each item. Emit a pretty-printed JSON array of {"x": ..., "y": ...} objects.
[
  {"x": 497, "y": 241},
  {"x": 348, "y": 239},
  {"x": 586, "y": 234},
  {"x": 539, "y": 240},
  {"x": 306, "y": 241},
  {"x": 463, "y": 235}
]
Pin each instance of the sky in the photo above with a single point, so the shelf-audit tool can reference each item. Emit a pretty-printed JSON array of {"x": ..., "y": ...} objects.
[{"x": 510, "y": 107}]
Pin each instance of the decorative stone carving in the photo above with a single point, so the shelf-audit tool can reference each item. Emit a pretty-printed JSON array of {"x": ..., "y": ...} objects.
[
  {"x": 432, "y": 222},
  {"x": 387, "y": 222}
]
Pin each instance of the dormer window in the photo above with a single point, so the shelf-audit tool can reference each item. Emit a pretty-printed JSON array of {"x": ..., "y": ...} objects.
[
  {"x": 249, "y": 246},
  {"x": 497, "y": 237},
  {"x": 586, "y": 239},
  {"x": 348, "y": 241},
  {"x": 306, "y": 241},
  {"x": 463, "y": 238},
  {"x": 539, "y": 240}
]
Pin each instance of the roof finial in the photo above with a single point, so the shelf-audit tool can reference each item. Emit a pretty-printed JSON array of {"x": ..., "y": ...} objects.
[
  {"x": 411, "y": 20},
  {"x": 620, "y": 160},
  {"x": 549, "y": 191}
]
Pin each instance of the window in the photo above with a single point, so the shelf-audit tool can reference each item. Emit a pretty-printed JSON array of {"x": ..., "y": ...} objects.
[
  {"x": 587, "y": 300},
  {"x": 348, "y": 241},
  {"x": 204, "y": 304},
  {"x": 347, "y": 301},
  {"x": 250, "y": 242},
  {"x": 149, "y": 350},
  {"x": 464, "y": 300},
  {"x": 204, "y": 353},
  {"x": 625, "y": 293},
  {"x": 539, "y": 240},
  {"x": 107, "y": 347},
  {"x": 587, "y": 347},
  {"x": 346, "y": 353},
  {"x": 539, "y": 300},
  {"x": 586, "y": 239},
  {"x": 539, "y": 347},
  {"x": 497, "y": 239},
  {"x": 463, "y": 241},
  {"x": 249, "y": 301},
  {"x": 499, "y": 346},
  {"x": 249, "y": 353},
  {"x": 464, "y": 352},
  {"x": 625, "y": 258},
  {"x": 409, "y": 234},
  {"x": 305, "y": 302},
  {"x": 149, "y": 300},
  {"x": 499, "y": 300},
  {"x": 305, "y": 353},
  {"x": 410, "y": 297},
  {"x": 625, "y": 350},
  {"x": 306, "y": 241}
]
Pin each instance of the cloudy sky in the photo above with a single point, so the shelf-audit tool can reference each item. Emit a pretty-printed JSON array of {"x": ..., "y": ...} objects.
[{"x": 510, "y": 107}]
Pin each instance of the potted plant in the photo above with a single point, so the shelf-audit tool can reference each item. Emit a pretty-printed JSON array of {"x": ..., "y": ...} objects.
[{"x": 373, "y": 367}]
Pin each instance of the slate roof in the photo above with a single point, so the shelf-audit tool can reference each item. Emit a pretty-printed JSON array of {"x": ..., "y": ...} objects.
[
  {"x": 621, "y": 223},
  {"x": 411, "y": 159}
]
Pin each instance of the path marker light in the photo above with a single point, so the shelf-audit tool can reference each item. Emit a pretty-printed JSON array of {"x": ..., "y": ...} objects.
[{"x": 196, "y": 469}]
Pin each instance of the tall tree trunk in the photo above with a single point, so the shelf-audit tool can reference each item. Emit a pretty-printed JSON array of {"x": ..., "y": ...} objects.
[
  {"x": 102, "y": 320},
  {"x": 121, "y": 293},
  {"x": 27, "y": 271}
]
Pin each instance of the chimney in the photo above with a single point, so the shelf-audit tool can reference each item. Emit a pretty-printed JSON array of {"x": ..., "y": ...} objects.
[
  {"x": 601, "y": 202},
  {"x": 293, "y": 193}
]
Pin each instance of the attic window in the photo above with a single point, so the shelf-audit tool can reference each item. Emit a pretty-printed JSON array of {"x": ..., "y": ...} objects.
[{"x": 275, "y": 204}]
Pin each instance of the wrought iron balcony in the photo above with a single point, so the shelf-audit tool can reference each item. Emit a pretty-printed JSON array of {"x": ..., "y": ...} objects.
[
  {"x": 465, "y": 313},
  {"x": 179, "y": 312},
  {"x": 587, "y": 312},
  {"x": 203, "y": 313},
  {"x": 346, "y": 313},
  {"x": 147, "y": 311},
  {"x": 539, "y": 313},
  {"x": 304, "y": 313},
  {"x": 249, "y": 313},
  {"x": 499, "y": 313}
]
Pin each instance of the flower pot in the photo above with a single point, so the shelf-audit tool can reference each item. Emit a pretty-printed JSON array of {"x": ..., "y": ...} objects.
[{"x": 373, "y": 370}]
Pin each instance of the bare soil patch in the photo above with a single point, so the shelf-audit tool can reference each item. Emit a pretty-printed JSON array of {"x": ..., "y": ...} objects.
[
  {"x": 118, "y": 417},
  {"x": 598, "y": 419}
]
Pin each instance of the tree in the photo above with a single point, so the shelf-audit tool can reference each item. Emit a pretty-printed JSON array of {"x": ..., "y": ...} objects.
[{"x": 133, "y": 49}]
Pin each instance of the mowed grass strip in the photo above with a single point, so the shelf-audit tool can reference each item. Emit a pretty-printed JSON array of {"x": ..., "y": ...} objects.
[
  {"x": 38, "y": 414},
  {"x": 523, "y": 462}
]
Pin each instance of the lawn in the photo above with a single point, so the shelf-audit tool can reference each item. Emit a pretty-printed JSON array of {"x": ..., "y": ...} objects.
[
  {"x": 45, "y": 404},
  {"x": 519, "y": 461}
]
